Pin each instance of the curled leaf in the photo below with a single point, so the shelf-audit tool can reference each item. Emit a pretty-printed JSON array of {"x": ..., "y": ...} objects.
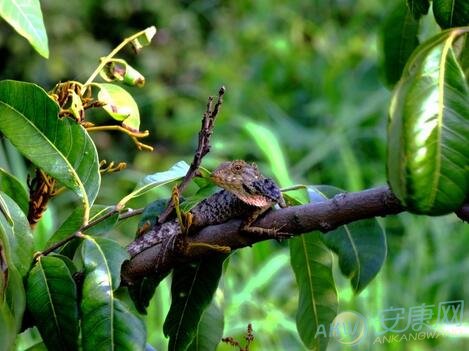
[{"x": 120, "y": 105}]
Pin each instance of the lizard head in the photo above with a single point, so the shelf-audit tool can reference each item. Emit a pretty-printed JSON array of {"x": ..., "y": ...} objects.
[
  {"x": 242, "y": 179},
  {"x": 235, "y": 174}
]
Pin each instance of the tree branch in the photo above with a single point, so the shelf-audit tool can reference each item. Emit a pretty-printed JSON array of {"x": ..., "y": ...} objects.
[
  {"x": 203, "y": 148},
  {"x": 324, "y": 216}
]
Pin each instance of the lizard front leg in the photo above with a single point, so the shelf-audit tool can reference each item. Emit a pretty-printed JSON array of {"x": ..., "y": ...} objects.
[
  {"x": 263, "y": 232},
  {"x": 185, "y": 221}
]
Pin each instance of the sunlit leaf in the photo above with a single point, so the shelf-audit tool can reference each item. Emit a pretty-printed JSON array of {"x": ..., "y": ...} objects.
[
  {"x": 120, "y": 105},
  {"x": 106, "y": 321},
  {"x": 192, "y": 289},
  {"x": 451, "y": 13},
  {"x": 25, "y": 17},
  {"x": 60, "y": 147},
  {"x": 428, "y": 129},
  {"x": 11, "y": 186},
  {"x": 361, "y": 245},
  {"x": 157, "y": 179},
  {"x": 52, "y": 301},
  {"x": 399, "y": 39}
]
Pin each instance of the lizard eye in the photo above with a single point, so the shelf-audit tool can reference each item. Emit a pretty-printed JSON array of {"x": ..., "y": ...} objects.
[{"x": 237, "y": 167}]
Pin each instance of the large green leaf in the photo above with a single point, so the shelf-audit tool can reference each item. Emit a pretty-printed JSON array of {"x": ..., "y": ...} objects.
[
  {"x": 157, "y": 179},
  {"x": 399, "y": 39},
  {"x": 25, "y": 17},
  {"x": 52, "y": 301},
  {"x": 428, "y": 129},
  {"x": 15, "y": 296},
  {"x": 210, "y": 329},
  {"x": 11, "y": 186},
  {"x": 361, "y": 246},
  {"x": 192, "y": 289},
  {"x": 61, "y": 147},
  {"x": 451, "y": 13},
  {"x": 106, "y": 321},
  {"x": 18, "y": 235},
  {"x": 311, "y": 261}
]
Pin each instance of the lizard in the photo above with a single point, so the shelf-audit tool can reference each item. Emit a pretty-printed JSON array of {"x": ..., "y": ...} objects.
[{"x": 245, "y": 193}]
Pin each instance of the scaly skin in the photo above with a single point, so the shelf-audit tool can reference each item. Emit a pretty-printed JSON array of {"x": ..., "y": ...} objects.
[{"x": 247, "y": 193}]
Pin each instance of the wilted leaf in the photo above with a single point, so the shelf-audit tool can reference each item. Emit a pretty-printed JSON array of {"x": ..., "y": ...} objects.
[{"x": 120, "y": 105}]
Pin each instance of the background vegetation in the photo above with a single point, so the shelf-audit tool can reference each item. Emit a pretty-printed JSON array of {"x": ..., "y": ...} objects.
[{"x": 306, "y": 100}]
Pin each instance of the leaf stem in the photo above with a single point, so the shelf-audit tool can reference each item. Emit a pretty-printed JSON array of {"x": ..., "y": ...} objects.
[{"x": 105, "y": 60}]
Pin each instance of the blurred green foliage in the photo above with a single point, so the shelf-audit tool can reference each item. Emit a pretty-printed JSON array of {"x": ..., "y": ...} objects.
[{"x": 305, "y": 100}]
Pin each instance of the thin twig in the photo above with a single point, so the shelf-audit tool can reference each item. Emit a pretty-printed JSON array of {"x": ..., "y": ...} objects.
[
  {"x": 131, "y": 213},
  {"x": 203, "y": 147},
  {"x": 78, "y": 233}
]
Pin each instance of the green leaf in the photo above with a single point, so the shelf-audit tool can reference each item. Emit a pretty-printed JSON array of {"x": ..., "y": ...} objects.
[
  {"x": 361, "y": 245},
  {"x": 17, "y": 235},
  {"x": 52, "y": 301},
  {"x": 399, "y": 39},
  {"x": 106, "y": 321},
  {"x": 428, "y": 129},
  {"x": 157, "y": 179},
  {"x": 15, "y": 296},
  {"x": 311, "y": 261},
  {"x": 25, "y": 17},
  {"x": 120, "y": 105},
  {"x": 418, "y": 8},
  {"x": 60, "y": 147},
  {"x": 210, "y": 329},
  {"x": 451, "y": 13},
  {"x": 192, "y": 290},
  {"x": 142, "y": 291},
  {"x": 7, "y": 328},
  {"x": 11, "y": 186}
]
